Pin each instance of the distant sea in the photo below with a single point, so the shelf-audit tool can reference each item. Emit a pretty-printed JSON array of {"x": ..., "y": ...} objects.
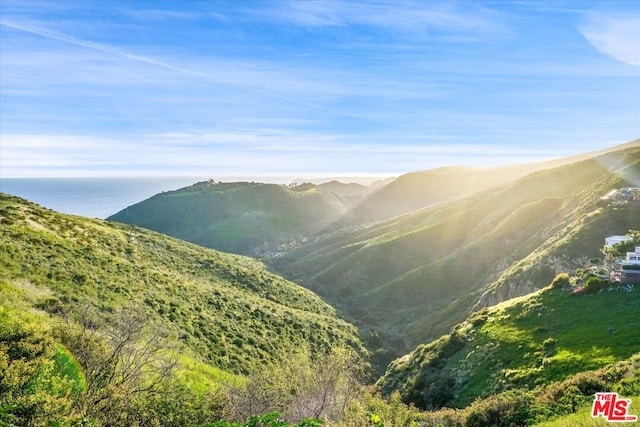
[
  {"x": 91, "y": 197},
  {"x": 103, "y": 197}
]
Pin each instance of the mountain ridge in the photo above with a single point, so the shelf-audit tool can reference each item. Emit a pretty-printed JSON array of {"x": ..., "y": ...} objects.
[
  {"x": 416, "y": 275},
  {"x": 246, "y": 217},
  {"x": 417, "y": 190}
]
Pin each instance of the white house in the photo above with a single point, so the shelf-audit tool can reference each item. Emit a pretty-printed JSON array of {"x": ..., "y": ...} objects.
[
  {"x": 612, "y": 240},
  {"x": 634, "y": 257}
]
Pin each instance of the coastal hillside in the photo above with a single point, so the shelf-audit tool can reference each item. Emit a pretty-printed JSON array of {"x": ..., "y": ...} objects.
[
  {"x": 410, "y": 279},
  {"x": 241, "y": 217},
  {"x": 418, "y": 190},
  {"x": 225, "y": 310},
  {"x": 539, "y": 339},
  {"x": 351, "y": 194}
]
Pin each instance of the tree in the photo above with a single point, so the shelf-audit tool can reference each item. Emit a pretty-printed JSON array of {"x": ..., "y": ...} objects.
[
  {"x": 300, "y": 386},
  {"x": 122, "y": 364}
]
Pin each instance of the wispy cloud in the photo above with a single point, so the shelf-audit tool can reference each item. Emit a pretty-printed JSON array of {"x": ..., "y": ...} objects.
[
  {"x": 259, "y": 86},
  {"x": 614, "y": 35},
  {"x": 44, "y": 32},
  {"x": 271, "y": 152},
  {"x": 292, "y": 86},
  {"x": 389, "y": 15}
]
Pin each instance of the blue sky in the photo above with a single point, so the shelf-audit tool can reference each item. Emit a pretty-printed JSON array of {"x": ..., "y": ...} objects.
[{"x": 220, "y": 88}]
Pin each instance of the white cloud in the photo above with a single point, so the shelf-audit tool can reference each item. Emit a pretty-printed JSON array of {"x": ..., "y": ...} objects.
[
  {"x": 294, "y": 85},
  {"x": 615, "y": 36},
  {"x": 391, "y": 15},
  {"x": 215, "y": 154}
]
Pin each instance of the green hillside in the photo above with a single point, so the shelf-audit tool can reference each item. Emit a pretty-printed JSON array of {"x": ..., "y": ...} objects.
[
  {"x": 539, "y": 339},
  {"x": 351, "y": 194},
  {"x": 417, "y": 190},
  {"x": 245, "y": 218},
  {"x": 225, "y": 310},
  {"x": 409, "y": 279}
]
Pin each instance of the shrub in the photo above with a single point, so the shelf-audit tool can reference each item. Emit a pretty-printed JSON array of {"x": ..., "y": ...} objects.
[
  {"x": 302, "y": 385},
  {"x": 593, "y": 284},
  {"x": 267, "y": 420},
  {"x": 373, "y": 410},
  {"x": 560, "y": 281},
  {"x": 33, "y": 388},
  {"x": 508, "y": 408}
]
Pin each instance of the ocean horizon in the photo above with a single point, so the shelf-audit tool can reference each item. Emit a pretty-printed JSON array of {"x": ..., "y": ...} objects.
[
  {"x": 103, "y": 197},
  {"x": 91, "y": 197}
]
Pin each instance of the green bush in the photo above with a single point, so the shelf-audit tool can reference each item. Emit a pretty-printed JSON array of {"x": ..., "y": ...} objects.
[
  {"x": 506, "y": 409},
  {"x": 560, "y": 281},
  {"x": 373, "y": 410},
  {"x": 268, "y": 420},
  {"x": 302, "y": 385},
  {"x": 34, "y": 386},
  {"x": 593, "y": 284}
]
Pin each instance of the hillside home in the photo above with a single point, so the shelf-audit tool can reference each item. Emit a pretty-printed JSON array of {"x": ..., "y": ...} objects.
[
  {"x": 633, "y": 258},
  {"x": 627, "y": 270},
  {"x": 630, "y": 193},
  {"x": 621, "y": 198},
  {"x": 612, "y": 240},
  {"x": 630, "y": 271}
]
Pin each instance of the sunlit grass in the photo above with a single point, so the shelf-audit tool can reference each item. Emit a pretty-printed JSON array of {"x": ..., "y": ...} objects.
[
  {"x": 528, "y": 342},
  {"x": 201, "y": 377},
  {"x": 583, "y": 418}
]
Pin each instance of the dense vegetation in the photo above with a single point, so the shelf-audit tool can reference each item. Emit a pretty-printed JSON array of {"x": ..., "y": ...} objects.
[
  {"x": 84, "y": 298},
  {"x": 536, "y": 340},
  {"x": 244, "y": 218},
  {"x": 229, "y": 310},
  {"x": 559, "y": 404}
]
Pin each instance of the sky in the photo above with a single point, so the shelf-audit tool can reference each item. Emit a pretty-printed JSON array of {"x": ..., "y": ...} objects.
[{"x": 310, "y": 88}]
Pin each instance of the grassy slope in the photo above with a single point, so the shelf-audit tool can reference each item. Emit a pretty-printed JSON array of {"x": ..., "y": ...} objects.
[
  {"x": 350, "y": 194},
  {"x": 573, "y": 243},
  {"x": 245, "y": 218},
  {"x": 416, "y": 276},
  {"x": 583, "y": 418},
  {"x": 227, "y": 310},
  {"x": 538, "y": 339},
  {"x": 418, "y": 190}
]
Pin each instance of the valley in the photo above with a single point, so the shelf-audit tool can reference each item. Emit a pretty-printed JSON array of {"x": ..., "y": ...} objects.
[
  {"x": 410, "y": 278},
  {"x": 319, "y": 213},
  {"x": 470, "y": 299}
]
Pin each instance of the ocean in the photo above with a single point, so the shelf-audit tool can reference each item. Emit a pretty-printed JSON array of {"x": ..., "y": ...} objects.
[
  {"x": 103, "y": 197},
  {"x": 91, "y": 197}
]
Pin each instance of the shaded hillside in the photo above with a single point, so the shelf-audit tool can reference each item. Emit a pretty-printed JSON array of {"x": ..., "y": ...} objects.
[
  {"x": 411, "y": 278},
  {"x": 226, "y": 310},
  {"x": 542, "y": 338},
  {"x": 245, "y": 218},
  {"x": 418, "y": 190}
]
